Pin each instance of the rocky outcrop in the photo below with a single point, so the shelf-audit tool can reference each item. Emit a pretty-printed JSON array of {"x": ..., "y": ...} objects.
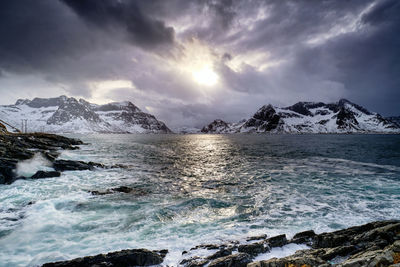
[
  {"x": 217, "y": 126},
  {"x": 372, "y": 244},
  {"x": 264, "y": 120},
  {"x": 126, "y": 258},
  {"x": 19, "y": 147},
  {"x": 71, "y": 109}
]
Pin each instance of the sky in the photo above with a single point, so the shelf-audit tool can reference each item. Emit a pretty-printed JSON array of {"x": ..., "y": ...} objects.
[{"x": 189, "y": 62}]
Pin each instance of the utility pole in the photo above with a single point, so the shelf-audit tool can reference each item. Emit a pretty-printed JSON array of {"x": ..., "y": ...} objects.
[
  {"x": 22, "y": 126},
  {"x": 26, "y": 125}
]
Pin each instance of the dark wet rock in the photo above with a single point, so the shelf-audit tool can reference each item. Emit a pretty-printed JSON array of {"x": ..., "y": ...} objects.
[
  {"x": 221, "y": 253},
  {"x": 19, "y": 147},
  {"x": 236, "y": 260},
  {"x": 194, "y": 262},
  {"x": 7, "y": 175},
  {"x": 45, "y": 174},
  {"x": 254, "y": 248},
  {"x": 121, "y": 189},
  {"x": 305, "y": 237},
  {"x": 71, "y": 165},
  {"x": 365, "y": 236},
  {"x": 296, "y": 260},
  {"x": 371, "y": 244},
  {"x": 131, "y": 257},
  {"x": 277, "y": 241},
  {"x": 259, "y": 237},
  {"x": 390, "y": 256}
]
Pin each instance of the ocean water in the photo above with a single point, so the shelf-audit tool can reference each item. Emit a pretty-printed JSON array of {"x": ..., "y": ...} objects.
[{"x": 198, "y": 189}]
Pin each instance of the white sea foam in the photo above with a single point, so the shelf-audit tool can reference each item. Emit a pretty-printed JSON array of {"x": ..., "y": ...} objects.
[{"x": 29, "y": 167}]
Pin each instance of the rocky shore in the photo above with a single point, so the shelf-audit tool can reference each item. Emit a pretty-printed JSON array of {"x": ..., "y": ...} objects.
[
  {"x": 17, "y": 147},
  {"x": 372, "y": 244}
]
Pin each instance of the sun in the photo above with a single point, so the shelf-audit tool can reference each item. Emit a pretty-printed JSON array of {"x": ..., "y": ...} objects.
[{"x": 205, "y": 76}]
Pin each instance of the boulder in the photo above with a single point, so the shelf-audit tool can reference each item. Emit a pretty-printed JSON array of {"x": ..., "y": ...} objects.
[
  {"x": 129, "y": 257},
  {"x": 254, "y": 248},
  {"x": 277, "y": 241},
  {"x": 303, "y": 237},
  {"x": 236, "y": 260},
  {"x": 45, "y": 174}
]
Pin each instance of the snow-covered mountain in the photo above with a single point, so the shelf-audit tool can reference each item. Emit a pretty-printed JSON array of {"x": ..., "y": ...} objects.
[
  {"x": 395, "y": 119},
  {"x": 309, "y": 117},
  {"x": 69, "y": 115}
]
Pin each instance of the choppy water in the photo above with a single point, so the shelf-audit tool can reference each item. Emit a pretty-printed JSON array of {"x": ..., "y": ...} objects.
[{"x": 194, "y": 189}]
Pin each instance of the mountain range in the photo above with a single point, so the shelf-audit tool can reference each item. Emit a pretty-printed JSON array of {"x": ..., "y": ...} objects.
[
  {"x": 310, "y": 117},
  {"x": 68, "y": 115}
]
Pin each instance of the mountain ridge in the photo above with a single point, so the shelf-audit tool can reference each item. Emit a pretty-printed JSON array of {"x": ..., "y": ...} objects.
[
  {"x": 343, "y": 116},
  {"x": 69, "y": 115}
]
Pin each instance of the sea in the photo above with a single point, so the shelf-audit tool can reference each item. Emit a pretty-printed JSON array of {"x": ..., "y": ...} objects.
[{"x": 194, "y": 189}]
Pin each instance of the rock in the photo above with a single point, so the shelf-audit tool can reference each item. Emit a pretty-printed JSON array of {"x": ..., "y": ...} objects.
[
  {"x": 365, "y": 236},
  {"x": 291, "y": 261},
  {"x": 44, "y": 174},
  {"x": 384, "y": 257},
  {"x": 277, "y": 241},
  {"x": 208, "y": 246},
  {"x": 194, "y": 262},
  {"x": 303, "y": 237},
  {"x": 236, "y": 260},
  {"x": 17, "y": 147},
  {"x": 221, "y": 253},
  {"x": 121, "y": 189},
  {"x": 129, "y": 257},
  {"x": 264, "y": 120},
  {"x": 71, "y": 165},
  {"x": 259, "y": 237},
  {"x": 254, "y": 248}
]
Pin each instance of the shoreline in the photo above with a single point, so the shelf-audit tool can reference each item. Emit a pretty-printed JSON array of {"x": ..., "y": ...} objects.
[
  {"x": 19, "y": 147},
  {"x": 372, "y": 244}
]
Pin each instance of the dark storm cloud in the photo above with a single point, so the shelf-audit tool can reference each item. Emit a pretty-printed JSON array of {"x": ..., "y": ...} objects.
[
  {"x": 37, "y": 35},
  {"x": 312, "y": 50},
  {"x": 141, "y": 29},
  {"x": 366, "y": 62}
]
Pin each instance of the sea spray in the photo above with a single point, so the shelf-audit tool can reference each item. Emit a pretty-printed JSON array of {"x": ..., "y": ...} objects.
[{"x": 29, "y": 167}]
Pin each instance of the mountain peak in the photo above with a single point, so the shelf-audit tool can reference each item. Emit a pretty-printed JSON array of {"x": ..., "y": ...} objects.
[{"x": 67, "y": 114}]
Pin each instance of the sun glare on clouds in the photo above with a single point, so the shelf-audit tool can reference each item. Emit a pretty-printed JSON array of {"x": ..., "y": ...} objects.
[
  {"x": 198, "y": 61},
  {"x": 205, "y": 76}
]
